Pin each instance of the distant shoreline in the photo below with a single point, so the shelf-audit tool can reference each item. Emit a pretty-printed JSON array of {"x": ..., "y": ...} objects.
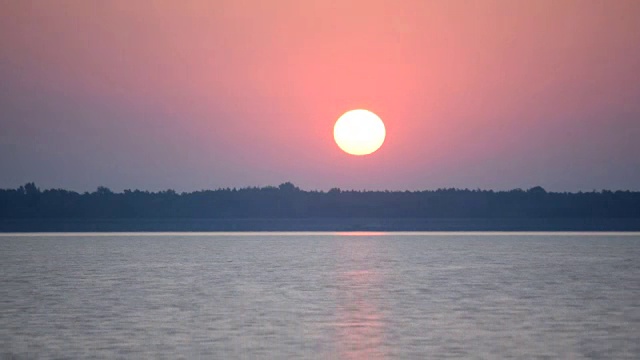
[{"x": 318, "y": 224}]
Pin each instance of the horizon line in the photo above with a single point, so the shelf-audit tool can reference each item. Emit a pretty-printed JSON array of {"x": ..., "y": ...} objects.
[{"x": 289, "y": 186}]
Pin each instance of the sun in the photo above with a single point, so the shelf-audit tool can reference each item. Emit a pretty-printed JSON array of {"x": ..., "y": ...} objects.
[{"x": 359, "y": 132}]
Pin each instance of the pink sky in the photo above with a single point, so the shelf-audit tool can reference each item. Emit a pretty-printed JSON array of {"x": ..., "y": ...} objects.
[{"x": 206, "y": 94}]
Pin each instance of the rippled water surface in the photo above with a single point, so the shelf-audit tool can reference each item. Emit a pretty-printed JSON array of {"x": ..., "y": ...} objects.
[{"x": 320, "y": 295}]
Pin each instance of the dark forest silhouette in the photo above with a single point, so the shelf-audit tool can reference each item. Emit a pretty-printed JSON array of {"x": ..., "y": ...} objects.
[{"x": 288, "y": 201}]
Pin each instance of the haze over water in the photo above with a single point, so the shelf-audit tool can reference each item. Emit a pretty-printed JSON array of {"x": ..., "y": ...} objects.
[{"x": 320, "y": 295}]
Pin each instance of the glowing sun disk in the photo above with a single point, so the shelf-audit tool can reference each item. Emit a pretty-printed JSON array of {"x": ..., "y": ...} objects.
[{"x": 359, "y": 132}]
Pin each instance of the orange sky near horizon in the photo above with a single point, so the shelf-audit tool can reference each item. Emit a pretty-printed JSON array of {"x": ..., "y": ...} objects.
[{"x": 207, "y": 94}]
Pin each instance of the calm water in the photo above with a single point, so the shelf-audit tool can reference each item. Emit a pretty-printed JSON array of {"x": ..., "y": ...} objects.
[{"x": 320, "y": 296}]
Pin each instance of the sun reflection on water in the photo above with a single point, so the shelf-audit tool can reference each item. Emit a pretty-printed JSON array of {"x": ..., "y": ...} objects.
[{"x": 359, "y": 324}]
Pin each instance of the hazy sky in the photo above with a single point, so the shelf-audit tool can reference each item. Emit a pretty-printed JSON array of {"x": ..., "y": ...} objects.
[{"x": 206, "y": 94}]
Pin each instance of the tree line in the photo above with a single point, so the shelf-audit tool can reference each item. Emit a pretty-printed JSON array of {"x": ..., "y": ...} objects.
[{"x": 288, "y": 201}]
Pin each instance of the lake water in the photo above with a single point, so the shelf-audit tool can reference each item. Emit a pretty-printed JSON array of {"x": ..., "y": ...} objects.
[{"x": 320, "y": 295}]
